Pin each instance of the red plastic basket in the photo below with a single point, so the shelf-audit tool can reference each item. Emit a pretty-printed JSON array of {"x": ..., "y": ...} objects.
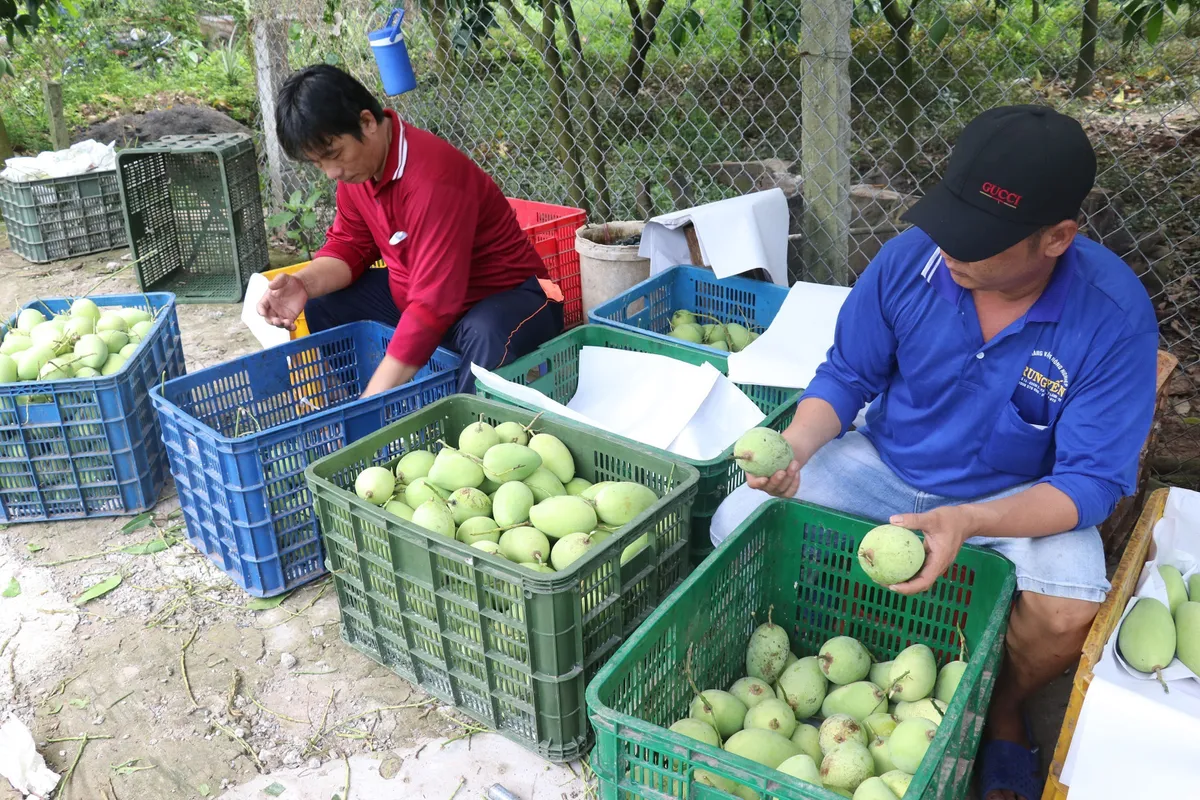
[{"x": 552, "y": 229}]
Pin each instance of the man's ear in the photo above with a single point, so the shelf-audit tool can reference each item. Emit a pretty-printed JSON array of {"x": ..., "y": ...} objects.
[
  {"x": 1058, "y": 238},
  {"x": 367, "y": 122}
]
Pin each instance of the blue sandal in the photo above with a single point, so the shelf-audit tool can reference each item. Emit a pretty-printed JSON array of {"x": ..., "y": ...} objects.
[{"x": 1007, "y": 766}]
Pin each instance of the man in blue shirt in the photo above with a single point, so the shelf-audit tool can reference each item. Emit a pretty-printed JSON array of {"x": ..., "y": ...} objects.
[{"x": 1009, "y": 363}]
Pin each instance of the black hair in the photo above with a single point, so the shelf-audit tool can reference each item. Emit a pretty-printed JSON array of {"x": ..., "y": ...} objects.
[{"x": 318, "y": 103}]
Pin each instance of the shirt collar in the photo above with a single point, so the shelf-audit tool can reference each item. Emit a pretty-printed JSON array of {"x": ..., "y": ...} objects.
[
  {"x": 1047, "y": 308},
  {"x": 393, "y": 168}
]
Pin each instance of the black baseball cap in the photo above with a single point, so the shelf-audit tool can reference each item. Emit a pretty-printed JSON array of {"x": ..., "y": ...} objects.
[{"x": 1013, "y": 170}]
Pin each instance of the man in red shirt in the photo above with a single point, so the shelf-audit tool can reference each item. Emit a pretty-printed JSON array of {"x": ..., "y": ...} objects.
[{"x": 460, "y": 272}]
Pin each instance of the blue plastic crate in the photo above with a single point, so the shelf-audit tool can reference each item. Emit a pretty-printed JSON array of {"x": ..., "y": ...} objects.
[
  {"x": 89, "y": 447},
  {"x": 239, "y": 436},
  {"x": 647, "y": 307}
]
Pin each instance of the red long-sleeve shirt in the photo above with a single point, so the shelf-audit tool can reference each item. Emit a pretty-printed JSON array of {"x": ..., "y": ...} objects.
[{"x": 445, "y": 230}]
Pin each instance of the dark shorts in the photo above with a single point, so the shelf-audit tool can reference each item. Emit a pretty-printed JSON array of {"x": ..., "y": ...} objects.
[{"x": 495, "y": 331}]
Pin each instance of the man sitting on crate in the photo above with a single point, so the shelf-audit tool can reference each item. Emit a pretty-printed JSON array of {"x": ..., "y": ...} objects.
[
  {"x": 1013, "y": 362},
  {"x": 460, "y": 272}
]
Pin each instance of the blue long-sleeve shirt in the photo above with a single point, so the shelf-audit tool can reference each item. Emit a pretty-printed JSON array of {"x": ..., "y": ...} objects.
[{"x": 1065, "y": 395}]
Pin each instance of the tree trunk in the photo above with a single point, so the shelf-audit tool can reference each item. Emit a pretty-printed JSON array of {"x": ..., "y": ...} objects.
[
  {"x": 906, "y": 108},
  {"x": 1035, "y": 12},
  {"x": 746, "y": 31},
  {"x": 6, "y": 150},
  {"x": 547, "y": 47},
  {"x": 1085, "y": 74},
  {"x": 576, "y": 190},
  {"x": 443, "y": 43},
  {"x": 644, "y": 23},
  {"x": 595, "y": 144}
]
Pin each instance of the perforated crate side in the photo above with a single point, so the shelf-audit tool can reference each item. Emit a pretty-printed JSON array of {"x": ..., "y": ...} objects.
[
  {"x": 240, "y": 434},
  {"x": 194, "y": 213},
  {"x": 83, "y": 447},
  {"x": 647, "y": 307},
  {"x": 58, "y": 218}
]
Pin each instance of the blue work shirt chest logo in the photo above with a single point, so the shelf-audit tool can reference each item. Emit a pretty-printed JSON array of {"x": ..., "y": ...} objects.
[{"x": 1044, "y": 377}]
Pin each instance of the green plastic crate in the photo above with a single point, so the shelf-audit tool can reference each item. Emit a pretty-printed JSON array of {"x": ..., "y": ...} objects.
[
  {"x": 800, "y": 559},
  {"x": 553, "y": 369},
  {"x": 438, "y": 612},
  {"x": 57, "y": 218},
  {"x": 194, "y": 214}
]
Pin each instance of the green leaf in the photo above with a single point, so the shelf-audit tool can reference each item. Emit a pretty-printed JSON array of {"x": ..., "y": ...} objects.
[
  {"x": 294, "y": 199},
  {"x": 939, "y": 29},
  {"x": 13, "y": 589},
  {"x": 99, "y": 590},
  {"x": 308, "y": 220},
  {"x": 55, "y": 709},
  {"x": 146, "y": 548},
  {"x": 80, "y": 702},
  {"x": 34, "y": 547},
  {"x": 1154, "y": 25},
  {"x": 274, "y": 790},
  {"x": 280, "y": 219},
  {"x": 138, "y": 522},
  {"x": 264, "y": 603},
  {"x": 203, "y": 790}
]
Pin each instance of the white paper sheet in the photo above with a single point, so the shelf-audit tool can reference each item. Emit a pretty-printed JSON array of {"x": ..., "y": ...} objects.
[
  {"x": 724, "y": 415},
  {"x": 525, "y": 394},
  {"x": 735, "y": 235},
  {"x": 796, "y": 342},
  {"x": 644, "y": 396},
  {"x": 20, "y": 762},
  {"x": 1126, "y": 717},
  {"x": 266, "y": 333},
  {"x": 685, "y": 409}
]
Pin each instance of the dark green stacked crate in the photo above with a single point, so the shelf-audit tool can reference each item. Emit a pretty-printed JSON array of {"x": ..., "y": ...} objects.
[
  {"x": 57, "y": 218},
  {"x": 193, "y": 210},
  {"x": 553, "y": 369}
]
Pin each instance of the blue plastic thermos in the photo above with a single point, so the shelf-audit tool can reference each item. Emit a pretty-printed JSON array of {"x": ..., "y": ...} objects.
[{"x": 391, "y": 55}]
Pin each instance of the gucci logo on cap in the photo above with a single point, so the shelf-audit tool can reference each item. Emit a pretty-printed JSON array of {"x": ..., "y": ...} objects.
[{"x": 1000, "y": 195}]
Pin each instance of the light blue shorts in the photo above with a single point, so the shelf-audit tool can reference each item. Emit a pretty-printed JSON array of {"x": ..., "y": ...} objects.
[{"x": 847, "y": 475}]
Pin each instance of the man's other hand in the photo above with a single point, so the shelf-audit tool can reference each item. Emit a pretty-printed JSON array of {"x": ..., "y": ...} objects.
[
  {"x": 283, "y": 301},
  {"x": 784, "y": 483}
]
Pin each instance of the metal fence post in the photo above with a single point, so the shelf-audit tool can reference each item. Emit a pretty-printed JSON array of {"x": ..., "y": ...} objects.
[{"x": 825, "y": 139}]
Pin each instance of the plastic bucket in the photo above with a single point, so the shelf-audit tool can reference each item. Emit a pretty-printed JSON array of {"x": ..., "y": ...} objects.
[
  {"x": 607, "y": 270},
  {"x": 391, "y": 55}
]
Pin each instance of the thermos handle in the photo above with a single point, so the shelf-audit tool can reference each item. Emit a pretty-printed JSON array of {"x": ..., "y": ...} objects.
[{"x": 396, "y": 28}]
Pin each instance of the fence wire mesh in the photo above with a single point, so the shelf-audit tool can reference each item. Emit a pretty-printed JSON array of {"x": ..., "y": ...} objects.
[{"x": 630, "y": 108}]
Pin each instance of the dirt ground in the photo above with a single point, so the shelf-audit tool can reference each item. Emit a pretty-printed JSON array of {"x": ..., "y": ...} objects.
[
  {"x": 180, "y": 688},
  {"x": 185, "y": 692}
]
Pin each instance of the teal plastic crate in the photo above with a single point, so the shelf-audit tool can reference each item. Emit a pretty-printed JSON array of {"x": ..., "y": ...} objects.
[
  {"x": 799, "y": 560},
  {"x": 57, "y": 218}
]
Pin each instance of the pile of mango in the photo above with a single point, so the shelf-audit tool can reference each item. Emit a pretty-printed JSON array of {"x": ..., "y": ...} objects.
[
  {"x": 509, "y": 492},
  {"x": 835, "y": 719},
  {"x": 1153, "y": 634},
  {"x": 703, "y": 329}
]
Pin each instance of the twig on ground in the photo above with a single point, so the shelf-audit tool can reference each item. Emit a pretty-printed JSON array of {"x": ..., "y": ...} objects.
[
  {"x": 245, "y": 745},
  {"x": 235, "y": 681},
  {"x": 276, "y": 714},
  {"x": 83, "y": 740},
  {"x": 461, "y": 781},
  {"x": 183, "y": 667}
]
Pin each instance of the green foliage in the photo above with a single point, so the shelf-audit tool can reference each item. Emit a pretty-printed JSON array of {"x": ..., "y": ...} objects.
[{"x": 299, "y": 217}]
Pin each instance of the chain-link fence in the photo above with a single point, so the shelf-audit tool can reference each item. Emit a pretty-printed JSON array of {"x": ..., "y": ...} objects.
[{"x": 635, "y": 107}]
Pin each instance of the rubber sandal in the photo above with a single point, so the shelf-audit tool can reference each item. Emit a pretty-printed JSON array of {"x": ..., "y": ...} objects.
[{"x": 1007, "y": 766}]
